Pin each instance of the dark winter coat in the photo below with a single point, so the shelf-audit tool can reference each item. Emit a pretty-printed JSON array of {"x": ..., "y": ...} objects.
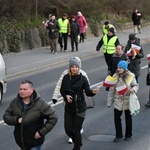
[
  {"x": 114, "y": 62},
  {"x": 32, "y": 120},
  {"x": 75, "y": 86},
  {"x": 53, "y": 24},
  {"x": 74, "y": 28},
  {"x": 136, "y": 19},
  {"x": 134, "y": 65}
]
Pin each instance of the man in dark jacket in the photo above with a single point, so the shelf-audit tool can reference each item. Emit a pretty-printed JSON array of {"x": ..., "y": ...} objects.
[
  {"x": 53, "y": 28},
  {"x": 28, "y": 112},
  {"x": 134, "y": 54},
  {"x": 136, "y": 18}
]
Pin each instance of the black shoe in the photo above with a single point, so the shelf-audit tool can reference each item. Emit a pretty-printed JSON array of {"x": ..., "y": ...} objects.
[
  {"x": 72, "y": 50},
  {"x": 147, "y": 105},
  {"x": 127, "y": 139},
  {"x": 61, "y": 48},
  {"x": 107, "y": 88},
  {"x": 117, "y": 139},
  {"x": 52, "y": 50}
]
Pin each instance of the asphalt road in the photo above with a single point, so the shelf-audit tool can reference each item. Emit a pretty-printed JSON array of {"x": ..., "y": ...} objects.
[{"x": 98, "y": 126}]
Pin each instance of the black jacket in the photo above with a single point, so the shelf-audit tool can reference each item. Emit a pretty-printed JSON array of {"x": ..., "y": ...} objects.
[
  {"x": 74, "y": 28},
  {"x": 134, "y": 65},
  {"x": 136, "y": 19},
  {"x": 114, "y": 62},
  {"x": 75, "y": 86},
  {"x": 33, "y": 120},
  {"x": 53, "y": 25}
]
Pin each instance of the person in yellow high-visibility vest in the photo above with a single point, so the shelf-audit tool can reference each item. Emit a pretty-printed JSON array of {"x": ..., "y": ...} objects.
[
  {"x": 106, "y": 27},
  {"x": 63, "y": 32},
  {"x": 109, "y": 42}
]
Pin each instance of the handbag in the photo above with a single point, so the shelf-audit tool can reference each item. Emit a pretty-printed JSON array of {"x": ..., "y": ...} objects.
[
  {"x": 90, "y": 103},
  {"x": 134, "y": 104}
]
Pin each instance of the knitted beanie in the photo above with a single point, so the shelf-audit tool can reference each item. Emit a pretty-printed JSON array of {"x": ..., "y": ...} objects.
[
  {"x": 74, "y": 61},
  {"x": 123, "y": 64},
  {"x": 111, "y": 30}
]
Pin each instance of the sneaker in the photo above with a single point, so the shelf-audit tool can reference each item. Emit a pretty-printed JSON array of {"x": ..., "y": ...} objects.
[
  {"x": 70, "y": 141},
  {"x": 117, "y": 139},
  {"x": 127, "y": 139},
  {"x": 81, "y": 131},
  {"x": 55, "y": 53}
]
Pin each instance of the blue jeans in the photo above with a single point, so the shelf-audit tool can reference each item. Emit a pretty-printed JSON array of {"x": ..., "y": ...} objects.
[{"x": 36, "y": 147}]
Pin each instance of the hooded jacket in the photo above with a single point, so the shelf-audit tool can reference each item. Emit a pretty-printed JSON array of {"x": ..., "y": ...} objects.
[
  {"x": 32, "y": 120},
  {"x": 75, "y": 86}
]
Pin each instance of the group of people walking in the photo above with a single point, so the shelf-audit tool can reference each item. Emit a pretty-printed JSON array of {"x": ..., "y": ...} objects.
[
  {"x": 28, "y": 111},
  {"x": 124, "y": 67},
  {"x": 59, "y": 30}
]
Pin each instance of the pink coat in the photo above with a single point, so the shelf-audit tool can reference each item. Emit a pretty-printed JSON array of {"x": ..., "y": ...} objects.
[{"x": 82, "y": 23}]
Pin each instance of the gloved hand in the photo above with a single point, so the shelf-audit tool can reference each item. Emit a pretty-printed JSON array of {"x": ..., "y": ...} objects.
[{"x": 54, "y": 101}]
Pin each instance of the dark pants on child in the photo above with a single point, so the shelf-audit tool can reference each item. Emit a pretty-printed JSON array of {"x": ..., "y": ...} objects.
[
  {"x": 63, "y": 38},
  {"x": 73, "y": 125},
  {"x": 118, "y": 124}
]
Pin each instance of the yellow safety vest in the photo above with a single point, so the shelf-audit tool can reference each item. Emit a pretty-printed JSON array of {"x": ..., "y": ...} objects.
[
  {"x": 63, "y": 25},
  {"x": 109, "y": 47},
  {"x": 105, "y": 31}
]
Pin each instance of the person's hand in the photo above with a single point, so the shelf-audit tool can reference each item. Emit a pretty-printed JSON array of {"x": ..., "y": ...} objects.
[
  {"x": 37, "y": 135},
  {"x": 54, "y": 101},
  {"x": 95, "y": 91},
  {"x": 131, "y": 91},
  {"x": 69, "y": 98},
  {"x": 20, "y": 120}
]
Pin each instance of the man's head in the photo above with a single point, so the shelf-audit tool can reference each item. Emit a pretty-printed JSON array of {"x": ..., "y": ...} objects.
[
  {"x": 64, "y": 15},
  {"x": 111, "y": 31},
  {"x": 106, "y": 23},
  {"x": 132, "y": 37},
  {"x": 53, "y": 17},
  {"x": 26, "y": 89}
]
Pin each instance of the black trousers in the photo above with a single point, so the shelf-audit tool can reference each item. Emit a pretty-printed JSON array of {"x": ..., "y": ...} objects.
[
  {"x": 63, "y": 38},
  {"x": 118, "y": 124},
  {"x": 82, "y": 37},
  {"x": 108, "y": 58},
  {"x": 73, "y": 125},
  {"x": 74, "y": 40}
]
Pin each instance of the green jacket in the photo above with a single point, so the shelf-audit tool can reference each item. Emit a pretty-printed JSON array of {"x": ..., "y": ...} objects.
[{"x": 33, "y": 120}]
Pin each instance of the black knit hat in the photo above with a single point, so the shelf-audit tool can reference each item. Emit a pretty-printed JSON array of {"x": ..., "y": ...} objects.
[
  {"x": 106, "y": 22},
  {"x": 132, "y": 36},
  {"x": 111, "y": 30}
]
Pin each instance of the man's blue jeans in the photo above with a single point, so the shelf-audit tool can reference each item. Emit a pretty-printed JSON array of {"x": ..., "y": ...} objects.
[{"x": 36, "y": 147}]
